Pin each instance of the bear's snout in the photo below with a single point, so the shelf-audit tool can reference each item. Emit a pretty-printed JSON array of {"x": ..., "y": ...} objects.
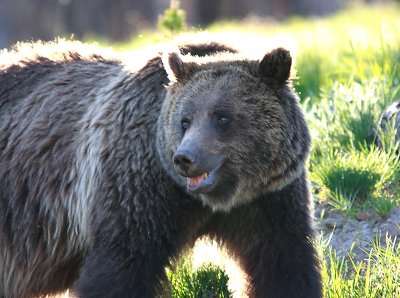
[
  {"x": 192, "y": 159},
  {"x": 184, "y": 160}
]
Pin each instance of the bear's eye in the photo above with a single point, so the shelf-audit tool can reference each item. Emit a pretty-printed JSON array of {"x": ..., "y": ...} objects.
[
  {"x": 185, "y": 123},
  {"x": 223, "y": 120}
]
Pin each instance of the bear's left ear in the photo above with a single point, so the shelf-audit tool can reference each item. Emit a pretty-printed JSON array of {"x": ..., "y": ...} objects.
[
  {"x": 276, "y": 66},
  {"x": 177, "y": 70}
]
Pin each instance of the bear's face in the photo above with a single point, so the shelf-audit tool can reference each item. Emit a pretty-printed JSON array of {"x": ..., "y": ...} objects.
[{"x": 225, "y": 125}]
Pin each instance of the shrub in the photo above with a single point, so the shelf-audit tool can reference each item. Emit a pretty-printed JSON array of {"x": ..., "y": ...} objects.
[
  {"x": 173, "y": 19},
  {"x": 206, "y": 282}
]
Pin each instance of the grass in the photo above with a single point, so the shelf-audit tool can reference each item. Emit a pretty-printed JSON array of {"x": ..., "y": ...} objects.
[
  {"x": 365, "y": 178},
  {"x": 376, "y": 276},
  {"x": 348, "y": 70}
]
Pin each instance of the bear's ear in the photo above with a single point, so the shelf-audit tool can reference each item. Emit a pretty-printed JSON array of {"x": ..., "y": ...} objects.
[
  {"x": 276, "y": 66},
  {"x": 177, "y": 70}
]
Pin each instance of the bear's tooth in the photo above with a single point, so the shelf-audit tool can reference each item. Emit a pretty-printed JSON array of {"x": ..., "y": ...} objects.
[{"x": 195, "y": 181}]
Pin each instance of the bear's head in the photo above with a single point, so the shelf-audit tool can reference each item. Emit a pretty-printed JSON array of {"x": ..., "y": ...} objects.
[{"x": 231, "y": 129}]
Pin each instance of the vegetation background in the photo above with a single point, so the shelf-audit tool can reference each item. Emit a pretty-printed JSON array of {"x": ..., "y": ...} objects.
[
  {"x": 119, "y": 20},
  {"x": 347, "y": 72}
]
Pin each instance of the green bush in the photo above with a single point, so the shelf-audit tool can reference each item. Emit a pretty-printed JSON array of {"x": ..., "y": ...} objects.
[
  {"x": 208, "y": 281},
  {"x": 173, "y": 19}
]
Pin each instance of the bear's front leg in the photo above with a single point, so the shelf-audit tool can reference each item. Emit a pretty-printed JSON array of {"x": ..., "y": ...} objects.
[
  {"x": 279, "y": 266},
  {"x": 272, "y": 240},
  {"x": 124, "y": 265}
]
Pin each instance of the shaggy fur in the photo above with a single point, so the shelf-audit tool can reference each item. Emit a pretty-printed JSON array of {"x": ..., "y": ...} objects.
[{"x": 93, "y": 193}]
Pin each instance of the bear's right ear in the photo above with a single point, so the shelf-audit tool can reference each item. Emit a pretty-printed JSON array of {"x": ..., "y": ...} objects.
[
  {"x": 177, "y": 70},
  {"x": 276, "y": 66}
]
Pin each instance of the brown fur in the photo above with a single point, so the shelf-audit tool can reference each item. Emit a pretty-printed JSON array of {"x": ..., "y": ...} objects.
[
  {"x": 90, "y": 196},
  {"x": 273, "y": 142}
]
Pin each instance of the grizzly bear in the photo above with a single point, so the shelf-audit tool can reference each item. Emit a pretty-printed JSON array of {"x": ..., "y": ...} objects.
[{"x": 107, "y": 173}]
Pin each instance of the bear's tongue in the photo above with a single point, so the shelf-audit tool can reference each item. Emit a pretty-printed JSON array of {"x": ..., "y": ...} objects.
[{"x": 194, "y": 182}]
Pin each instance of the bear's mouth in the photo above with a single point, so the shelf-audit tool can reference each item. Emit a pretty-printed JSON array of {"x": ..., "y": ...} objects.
[
  {"x": 202, "y": 183},
  {"x": 194, "y": 182}
]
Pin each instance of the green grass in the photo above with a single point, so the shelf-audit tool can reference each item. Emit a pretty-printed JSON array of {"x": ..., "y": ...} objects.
[
  {"x": 348, "y": 70},
  {"x": 353, "y": 45},
  {"x": 376, "y": 276},
  {"x": 353, "y": 179}
]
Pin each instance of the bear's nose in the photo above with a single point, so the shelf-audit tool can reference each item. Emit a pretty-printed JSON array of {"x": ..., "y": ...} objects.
[{"x": 184, "y": 160}]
